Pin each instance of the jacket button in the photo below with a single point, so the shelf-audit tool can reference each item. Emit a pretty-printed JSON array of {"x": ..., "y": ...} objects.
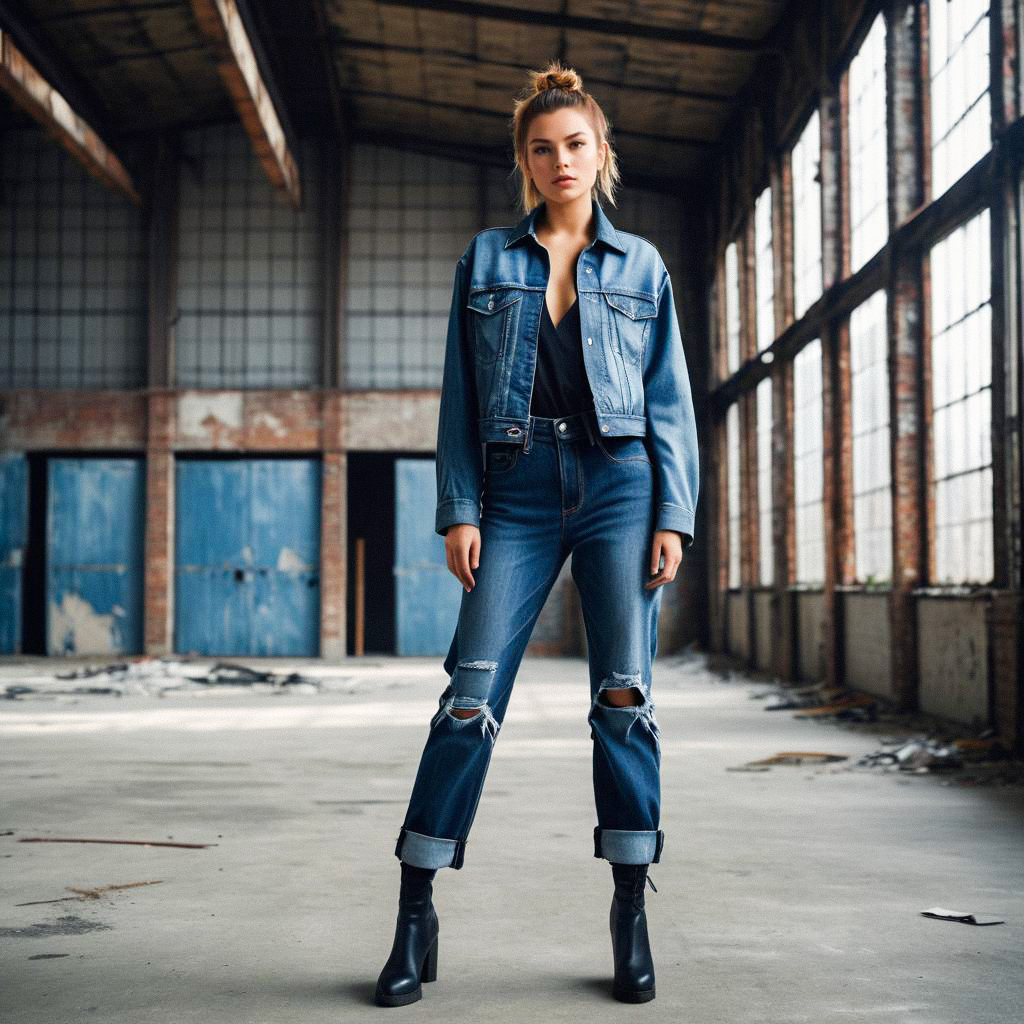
[
  {"x": 561, "y": 426},
  {"x": 490, "y": 304},
  {"x": 590, "y": 270},
  {"x": 605, "y": 428},
  {"x": 590, "y": 341}
]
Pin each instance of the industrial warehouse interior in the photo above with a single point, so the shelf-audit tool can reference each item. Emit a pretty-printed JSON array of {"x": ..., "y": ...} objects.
[{"x": 229, "y": 238}]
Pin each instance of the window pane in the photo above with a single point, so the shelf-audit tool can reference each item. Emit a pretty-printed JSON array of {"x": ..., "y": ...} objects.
[
  {"x": 961, "y": 398},
  {"x": 807, "y": 269},
  {"x": 732, "y": 442},
  {"x": 869, "y": 390},
  {"x": 868, "y": 160},
  {"x": 732, "y": 307},
  {"x": 765, "y": 281},
  {"x": 764, "y": 480},
  {"x": 959, "y": 72},
  {"x": 808, "y": 470}
]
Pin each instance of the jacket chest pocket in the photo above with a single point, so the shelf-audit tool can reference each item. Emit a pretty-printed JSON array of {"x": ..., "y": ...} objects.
[
  {"x": 630, "y": 317},
  {"x": 492, "y": 316}
]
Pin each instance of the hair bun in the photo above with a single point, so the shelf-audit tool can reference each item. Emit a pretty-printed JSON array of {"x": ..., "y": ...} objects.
[{"x": 554, "y": 76}]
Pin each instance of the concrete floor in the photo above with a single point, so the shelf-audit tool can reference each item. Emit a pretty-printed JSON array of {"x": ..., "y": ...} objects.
[{"x": 789, "y": 895}]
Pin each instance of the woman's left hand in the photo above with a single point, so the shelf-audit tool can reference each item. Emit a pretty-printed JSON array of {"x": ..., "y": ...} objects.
[{"x": 670, "y": 544}]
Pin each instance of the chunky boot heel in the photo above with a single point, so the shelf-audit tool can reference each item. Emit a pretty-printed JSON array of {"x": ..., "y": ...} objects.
[
  {"x": 413, "y": 956},
  {"x": 631, "y": 948},
  {"x": 429, "y": 972}
]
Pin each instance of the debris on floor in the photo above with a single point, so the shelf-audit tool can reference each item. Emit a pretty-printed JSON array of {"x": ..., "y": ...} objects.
[
  {"x": 918, "y": 755},
  {"x": 819, "y": 700},
  {"x": 152, "y": 676},
  {"x": 125, "y": 842},
  {"x": 790, "y": 757},
  {"x": 958, "y": 915},
  {"x": 90, "y": 894}
]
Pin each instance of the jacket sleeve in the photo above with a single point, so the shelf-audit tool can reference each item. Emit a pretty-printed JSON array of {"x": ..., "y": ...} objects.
[
  {"x": 671, "y": 425},
  {"x": 459, "y": 461}
]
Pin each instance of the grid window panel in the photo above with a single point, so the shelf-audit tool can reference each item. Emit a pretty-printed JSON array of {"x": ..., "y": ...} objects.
[
  {"x": 869, "y": 388},
  {"x": 807, "y": 266},
  {"x": 732, "y": 443},
  {"x": 959, "y": 87},
  {"x": 961, "y": 401},
  {"x": 732, "y": 308},
  {"x": 410, "y": 218},
  {"x": 764, "y": 481},
  {"x": 808, "y": 466},
  {"x": 869, "y": 221},
  {"x": 73, "y": 266},
  {"x": 764, "y": 271},
  {"x": 249, "y": 285}
]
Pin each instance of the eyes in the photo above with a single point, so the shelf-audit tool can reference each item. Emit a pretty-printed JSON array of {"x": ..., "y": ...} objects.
[{"x": 541, "y": 149}]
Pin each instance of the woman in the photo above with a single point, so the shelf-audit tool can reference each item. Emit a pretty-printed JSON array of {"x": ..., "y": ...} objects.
[{"x": 566, "y": 428}]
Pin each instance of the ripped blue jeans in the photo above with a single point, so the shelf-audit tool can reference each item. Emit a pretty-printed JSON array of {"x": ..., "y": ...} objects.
[{"x": 564, "y": 490}]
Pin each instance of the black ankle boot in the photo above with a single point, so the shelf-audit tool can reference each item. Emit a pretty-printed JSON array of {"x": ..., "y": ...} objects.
[
  {"x": 631, "y": 949},
  {"x": 414, "y": 953}
]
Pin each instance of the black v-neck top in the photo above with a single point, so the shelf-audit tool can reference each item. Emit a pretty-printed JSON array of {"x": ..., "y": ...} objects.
[{"x": 560, "y": 385}]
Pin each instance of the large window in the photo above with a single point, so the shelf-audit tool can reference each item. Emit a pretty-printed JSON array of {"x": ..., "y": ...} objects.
[
  {"x": 764, "y": 480},
  {"x": 958, "y": 52},
  {"x": 72, "y": 273},
  {"x": 868, "y": 213},
  {"x": 869, "y": 386},
  {"x": 961, "y": 375},
  {"x": 807, "y": 270},
  {"x": 808, "y": 471},
  {"x": 732, "y": 442},
  {"x": 249, "y": 290},
  {"x": 764, "y": 269},
  {"x": 732, "y": 308}
]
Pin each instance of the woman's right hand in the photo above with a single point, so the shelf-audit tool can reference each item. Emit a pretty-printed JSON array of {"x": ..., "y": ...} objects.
[{"x": 462, "y": 550}]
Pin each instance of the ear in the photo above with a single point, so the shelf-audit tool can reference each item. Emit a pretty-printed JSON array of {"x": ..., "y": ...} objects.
[{"x": 602, "y": 154}]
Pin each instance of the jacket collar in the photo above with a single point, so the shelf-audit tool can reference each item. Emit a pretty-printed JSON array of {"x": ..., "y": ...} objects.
[{"x": 605, "y": 231}]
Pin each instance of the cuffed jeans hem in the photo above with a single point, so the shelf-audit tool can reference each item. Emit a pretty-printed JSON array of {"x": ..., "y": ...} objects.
[
  {"x": 429, "y": 851},
  {"x": 623, "y": 847}
]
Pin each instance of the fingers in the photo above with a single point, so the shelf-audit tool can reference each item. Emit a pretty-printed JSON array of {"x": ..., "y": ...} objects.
[
  {"x": 673, "y": 559},
  {"x": 462, "y": 555}
]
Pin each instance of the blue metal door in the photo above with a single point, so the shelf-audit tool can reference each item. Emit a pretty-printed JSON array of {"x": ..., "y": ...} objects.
[
  {"x": 247, "y": 557},
  {"x": 427, "y": 595},
  {"x": 13, "y": 538},
  {"x": 94, "y": 555}
]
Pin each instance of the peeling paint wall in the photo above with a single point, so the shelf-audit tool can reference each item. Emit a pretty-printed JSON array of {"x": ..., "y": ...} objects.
[
  {"x": 868, "y": 643},
  {"x": 810, "y": 628},
  {"x": 953, "y": 658}
]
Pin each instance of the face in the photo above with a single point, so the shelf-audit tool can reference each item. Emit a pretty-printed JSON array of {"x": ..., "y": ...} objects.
[{"x": 563, "y": 155}]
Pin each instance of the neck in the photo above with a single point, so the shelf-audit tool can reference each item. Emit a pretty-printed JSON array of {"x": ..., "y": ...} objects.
[{"x": 575, "y": 218}]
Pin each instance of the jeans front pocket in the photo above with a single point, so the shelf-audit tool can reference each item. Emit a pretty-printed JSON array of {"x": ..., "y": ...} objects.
[
  {"x": 501, "y": 458},
  {"x": 623, "y": 449}
]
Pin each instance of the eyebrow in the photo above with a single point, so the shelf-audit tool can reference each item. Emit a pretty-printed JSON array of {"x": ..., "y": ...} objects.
[{"x": 572, "y": 136}]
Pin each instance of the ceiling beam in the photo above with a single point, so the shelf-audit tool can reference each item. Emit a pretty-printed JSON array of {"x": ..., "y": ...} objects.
[
  {"x": 444, "y": 105},
  {"x": 582, "y": 23},
  {"x": 340, "y": 41},
  {"x": 222, "y": 23},
  {"x": 37, "y": 97}
]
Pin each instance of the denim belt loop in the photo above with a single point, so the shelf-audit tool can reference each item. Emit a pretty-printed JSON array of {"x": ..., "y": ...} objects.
[{"x": 529, "y": 435}]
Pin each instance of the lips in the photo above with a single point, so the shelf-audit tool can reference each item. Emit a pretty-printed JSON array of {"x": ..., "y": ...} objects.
[{"x": 563, "y": 180}]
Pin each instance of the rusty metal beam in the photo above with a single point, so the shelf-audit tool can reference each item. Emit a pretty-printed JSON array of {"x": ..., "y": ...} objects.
[
  {"x": 222, "y": 23},
  {"x": 583, "y": 23},
  {"x": 37, "y": 97}
]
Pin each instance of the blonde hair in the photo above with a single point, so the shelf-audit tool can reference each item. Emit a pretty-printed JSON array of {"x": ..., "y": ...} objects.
[{"x": 551, "y": 89}]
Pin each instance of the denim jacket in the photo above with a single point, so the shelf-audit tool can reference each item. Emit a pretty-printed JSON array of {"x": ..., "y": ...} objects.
[{"x": 632, "y": 352}]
